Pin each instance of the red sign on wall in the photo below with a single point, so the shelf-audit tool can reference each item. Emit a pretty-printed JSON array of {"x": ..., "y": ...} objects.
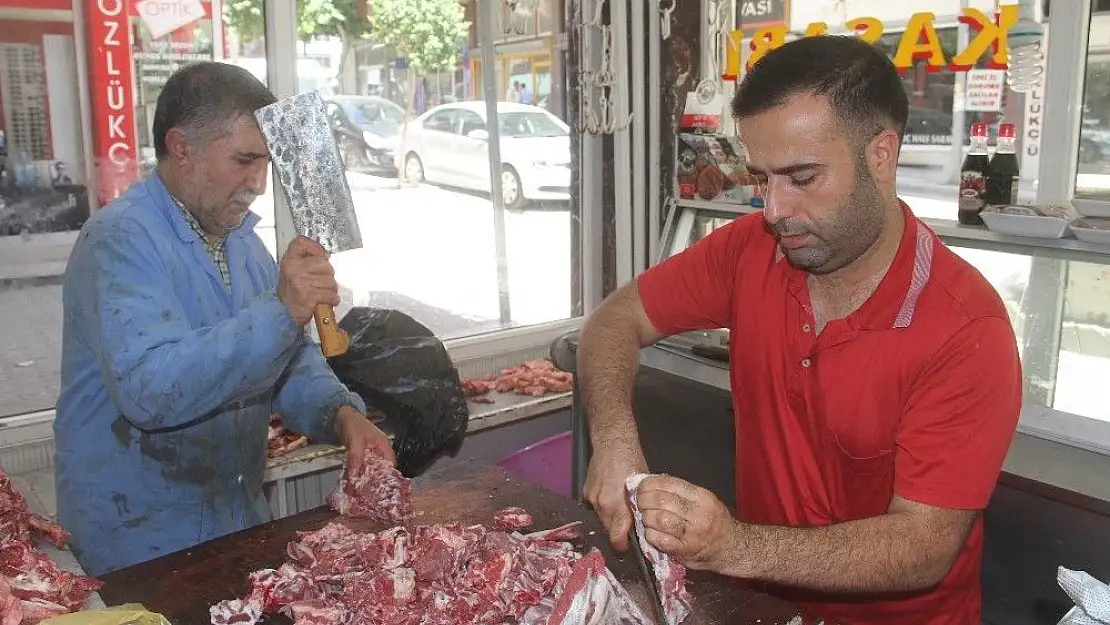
[{"x": 115, "y": 149}]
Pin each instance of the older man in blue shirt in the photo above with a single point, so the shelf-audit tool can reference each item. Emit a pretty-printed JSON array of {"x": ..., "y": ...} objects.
[{"x": 181, "y": 336}]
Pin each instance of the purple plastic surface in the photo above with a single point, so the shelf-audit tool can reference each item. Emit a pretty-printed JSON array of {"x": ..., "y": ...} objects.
[{"x": 546, "y": 463}]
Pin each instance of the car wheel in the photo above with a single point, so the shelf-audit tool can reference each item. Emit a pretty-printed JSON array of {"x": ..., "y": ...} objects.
[
  {"x": 414, "y": 169},
  {"x": 512, "y": 194},
  {"x": 353, "y": 157}
]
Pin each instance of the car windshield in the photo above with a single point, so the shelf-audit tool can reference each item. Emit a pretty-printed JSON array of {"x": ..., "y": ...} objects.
[
  {"x": 373, "y": 111},
  {"x": 518, "y": 124}
]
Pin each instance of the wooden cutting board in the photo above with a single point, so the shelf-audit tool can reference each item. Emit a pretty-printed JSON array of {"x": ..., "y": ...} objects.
[{"x": 183, "y": 585}]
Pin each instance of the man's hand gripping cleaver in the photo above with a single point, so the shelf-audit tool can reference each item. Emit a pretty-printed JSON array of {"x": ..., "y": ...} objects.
[{"x": 314, "y": 181}]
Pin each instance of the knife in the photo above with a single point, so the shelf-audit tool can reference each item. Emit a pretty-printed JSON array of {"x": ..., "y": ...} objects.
[
  {"x": 313, "y": 180},
  {"x": 648, "y": 573}
]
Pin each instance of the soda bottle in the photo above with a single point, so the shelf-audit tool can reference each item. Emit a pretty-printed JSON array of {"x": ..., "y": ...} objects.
[
  {"x": 973, "y": 178},
  {"x": 1002, "y": 171}
]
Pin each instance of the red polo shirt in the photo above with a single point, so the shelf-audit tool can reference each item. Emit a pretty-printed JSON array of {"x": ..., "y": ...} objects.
[{"x": 917, "y": 394}]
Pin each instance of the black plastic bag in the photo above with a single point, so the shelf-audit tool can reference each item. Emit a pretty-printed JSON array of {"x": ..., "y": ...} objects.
[{"x": 400, "y": 368}]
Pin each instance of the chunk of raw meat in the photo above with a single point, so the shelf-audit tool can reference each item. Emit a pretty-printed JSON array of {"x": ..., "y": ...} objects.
[
  {"x": 281, "y": 441},
  {"x": 32, "y": 586},
  {"x": 512, "y": 519},
  {"x": 235, "y": 612},
  {"x": 377, "y": 491},
  {"x": 446, "y": 574},
  {"x": 535, "y": 378},
  {"x": 11, "y": 608},
  {"x": 670, "y": 574},
  {"x": 592, "y": 596}
]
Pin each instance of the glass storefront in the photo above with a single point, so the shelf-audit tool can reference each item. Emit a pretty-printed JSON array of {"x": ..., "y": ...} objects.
[{"x": 79, "y": 80}]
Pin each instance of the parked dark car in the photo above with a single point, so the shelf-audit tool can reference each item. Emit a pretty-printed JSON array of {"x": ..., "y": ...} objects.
[{"x": 367, "y": 129}]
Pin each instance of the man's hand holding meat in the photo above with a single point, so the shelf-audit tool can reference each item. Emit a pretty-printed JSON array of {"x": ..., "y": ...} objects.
[
  {"x": 358, "y": 435},
  {"x": 689, "y": 524}
]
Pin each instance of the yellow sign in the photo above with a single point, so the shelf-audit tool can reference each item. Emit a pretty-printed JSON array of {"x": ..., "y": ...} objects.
[{"x": 919, "y": 41}]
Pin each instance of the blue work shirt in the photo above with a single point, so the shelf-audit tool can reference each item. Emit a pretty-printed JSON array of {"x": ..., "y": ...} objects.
[{"x": 168, "y": 382}]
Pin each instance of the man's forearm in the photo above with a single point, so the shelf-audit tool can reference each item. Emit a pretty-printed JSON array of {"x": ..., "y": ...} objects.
[
  {"x": 887, "y": 553},
  {"x": 608, "y": 358}
]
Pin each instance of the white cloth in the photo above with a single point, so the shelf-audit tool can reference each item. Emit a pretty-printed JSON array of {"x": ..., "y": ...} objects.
[{"x": 1091, "y": 597}]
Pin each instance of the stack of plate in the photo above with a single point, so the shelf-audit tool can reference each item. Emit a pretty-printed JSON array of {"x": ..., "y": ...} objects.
[{"x": 1094, "y": 225}]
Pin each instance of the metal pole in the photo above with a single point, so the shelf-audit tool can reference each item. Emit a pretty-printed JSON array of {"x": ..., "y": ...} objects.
[
  {"x": 640, "y": 245},
  {"x": 655, "y": 134},
  {"x": 489, "y": 93},
  {"x": 590, "y": 166},
  {"x": 217, "y": 7},
  {"x": 622, "y": 169},
  {"x": 281, "y": 77}
]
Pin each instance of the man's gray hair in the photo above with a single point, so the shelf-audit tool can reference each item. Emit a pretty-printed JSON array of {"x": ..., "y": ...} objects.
[{"x": 203, "y": 99}]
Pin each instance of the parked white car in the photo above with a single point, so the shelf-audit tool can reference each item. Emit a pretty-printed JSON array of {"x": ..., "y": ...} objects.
[{"x": 449, "y": 145}]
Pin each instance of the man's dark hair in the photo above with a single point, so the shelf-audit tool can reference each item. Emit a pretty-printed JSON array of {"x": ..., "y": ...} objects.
[
  {"x": 203, "y": 99},
  {"x": 860, "y": 83}
]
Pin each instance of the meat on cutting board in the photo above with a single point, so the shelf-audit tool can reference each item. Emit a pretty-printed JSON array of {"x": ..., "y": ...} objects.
[
  {"x": 670, "y": 574},
  {"x": 31, "y": 584},
  {"x": 376, "y": 491},
  {"x": 446, "y": 574},
  {"x": 512, "y": 519}
]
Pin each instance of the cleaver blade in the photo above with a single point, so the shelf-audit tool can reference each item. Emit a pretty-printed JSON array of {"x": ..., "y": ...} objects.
[{"x": 313, "y": 180}]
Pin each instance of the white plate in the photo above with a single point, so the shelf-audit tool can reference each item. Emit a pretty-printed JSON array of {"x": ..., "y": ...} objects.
[
  {"x": 1096, "y": 236},
  {"x": 1091, "y": 207},
  {"x": 1025, "y": 225}
]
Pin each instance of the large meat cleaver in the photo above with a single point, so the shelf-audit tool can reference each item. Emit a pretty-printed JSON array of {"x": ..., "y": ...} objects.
[{"x": 313, "y": 179}]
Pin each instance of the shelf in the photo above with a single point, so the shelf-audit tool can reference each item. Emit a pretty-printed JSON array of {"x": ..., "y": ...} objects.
[{"x": 956, "y": 235}]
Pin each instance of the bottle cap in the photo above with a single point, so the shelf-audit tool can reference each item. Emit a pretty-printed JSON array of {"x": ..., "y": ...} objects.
[
  {"x": 978, "y": 129},
  {"x": 1006, "y": 131}
]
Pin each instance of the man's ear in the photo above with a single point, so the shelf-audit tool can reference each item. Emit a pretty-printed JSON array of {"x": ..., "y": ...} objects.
[
  {"x": 177, "y": 145},
  {"x": 882, "y": 156}
]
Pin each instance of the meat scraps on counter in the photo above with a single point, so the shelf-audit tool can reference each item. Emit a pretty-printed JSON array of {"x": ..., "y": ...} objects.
[
  {"x": 376, "y": 491},
  {"x": 446, "y": 574},
  {"x": 282, "y": 441},
  {"x": 535, "y": 378},
  {"x": 32, "y": 586}
]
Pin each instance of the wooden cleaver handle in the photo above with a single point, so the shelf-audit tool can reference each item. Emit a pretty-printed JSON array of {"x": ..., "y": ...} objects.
[{"x": 333, "y": 339}]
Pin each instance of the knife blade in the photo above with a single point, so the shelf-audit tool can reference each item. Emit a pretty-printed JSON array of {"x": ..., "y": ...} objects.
[
  {"x": 313, "y": 180},
  {"x": 647, "y": 571}
]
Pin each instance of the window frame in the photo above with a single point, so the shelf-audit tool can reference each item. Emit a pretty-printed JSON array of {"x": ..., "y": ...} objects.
[{"x": 281, "y": 39}]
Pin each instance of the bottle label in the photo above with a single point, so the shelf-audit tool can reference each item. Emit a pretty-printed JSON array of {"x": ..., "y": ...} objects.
[{"x": 972, "y": 188}]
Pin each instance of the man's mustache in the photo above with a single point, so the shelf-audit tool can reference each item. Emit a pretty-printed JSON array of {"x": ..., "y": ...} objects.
[{"x": 788, "y": 228}]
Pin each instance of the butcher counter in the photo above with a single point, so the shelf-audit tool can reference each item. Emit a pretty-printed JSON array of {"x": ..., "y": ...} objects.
[{"x": 183, "y": 585}]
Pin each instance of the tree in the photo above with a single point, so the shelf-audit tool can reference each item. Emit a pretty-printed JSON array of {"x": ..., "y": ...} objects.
[
  {"x": 316, "y": 18},
  {"x": 426, "y": 33}
]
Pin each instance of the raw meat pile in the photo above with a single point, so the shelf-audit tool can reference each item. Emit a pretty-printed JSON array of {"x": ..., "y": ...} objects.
[
  {"x": 281, "y": 441},
  {"x": 670, "y": 575},
  {"x": 446, "y": 574},
  {"x": 536, "y": 378},
  {"x": 32, "y": 586},
  {"x": 435, "y": 575},
  {"x": 376, "y": 491}
]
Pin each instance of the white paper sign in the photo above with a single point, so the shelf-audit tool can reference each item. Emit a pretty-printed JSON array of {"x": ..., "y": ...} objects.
[
  {"x": 984, "y": 90},
  {"x": 162, "y": 17}
]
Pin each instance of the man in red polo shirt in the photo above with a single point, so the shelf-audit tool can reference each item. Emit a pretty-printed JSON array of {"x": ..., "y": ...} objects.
[{"x": 875, "y": 375}]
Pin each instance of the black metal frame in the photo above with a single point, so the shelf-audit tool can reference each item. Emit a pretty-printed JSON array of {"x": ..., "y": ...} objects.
[{"x": 564, "y": 353}]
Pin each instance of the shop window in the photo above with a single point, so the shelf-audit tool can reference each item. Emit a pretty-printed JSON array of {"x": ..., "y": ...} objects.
[
  {"x": 429, "y": 241},
  {"x": 45, "y": 178}
]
